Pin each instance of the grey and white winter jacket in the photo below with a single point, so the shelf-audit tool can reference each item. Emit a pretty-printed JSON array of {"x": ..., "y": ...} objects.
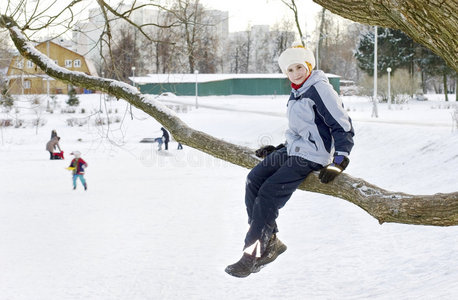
[{"x": 318, "y": 125}]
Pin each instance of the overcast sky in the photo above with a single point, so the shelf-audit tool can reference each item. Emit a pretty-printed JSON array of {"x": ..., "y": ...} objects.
[{"x": 243, "y": 13}]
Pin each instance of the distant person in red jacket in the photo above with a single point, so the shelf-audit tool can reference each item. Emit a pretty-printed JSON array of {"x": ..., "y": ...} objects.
[{"x": 77, "y": 166}]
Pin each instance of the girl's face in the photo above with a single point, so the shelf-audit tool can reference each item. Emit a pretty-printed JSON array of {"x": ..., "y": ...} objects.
[{"x": 297, "y": 73}]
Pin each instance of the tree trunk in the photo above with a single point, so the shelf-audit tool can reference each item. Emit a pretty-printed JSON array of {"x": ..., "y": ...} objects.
[
  {"x": 444, "y": 77},
  {"x": 321, "y": 36},
  {"x": 433, "y": 23},
  {"x": 385, "y": 206},
  {"x": 291, "y": 4}
]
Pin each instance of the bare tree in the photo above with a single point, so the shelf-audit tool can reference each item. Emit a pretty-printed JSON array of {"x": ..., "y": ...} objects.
[
  {"x": 192, "y": 32},
  {"x": 239, "y": 45},
  {"x": 234, "y": 53},
  {"x": 322, "y": 34},
  {"x": 385, "y": 206},
  {"x": 431, "y": 23},
  {"x": 291, "y": 4},
  {"x": 261, "y": 49},
  {"x": 5, "y": 53},
  {"x": 124, "y": 56},
  {"x": 248, "y": 50},
  {"x": 337, "y": 40},
  {"x": 282, "y": 39}
]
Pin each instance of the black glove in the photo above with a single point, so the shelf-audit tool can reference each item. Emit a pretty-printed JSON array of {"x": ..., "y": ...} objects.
[
  {"x": 328, "y": 173},
  {"x": 266, "y": 150}
]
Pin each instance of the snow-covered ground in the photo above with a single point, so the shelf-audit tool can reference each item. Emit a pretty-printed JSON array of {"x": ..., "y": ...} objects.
[{"x": 163, "y": 225}]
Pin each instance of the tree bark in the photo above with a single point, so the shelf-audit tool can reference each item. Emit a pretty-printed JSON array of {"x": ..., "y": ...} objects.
[
  {"x": 385, "y": 206},
  {"x": 433, "y": 23},
  {"x": 291, "y": 4}
]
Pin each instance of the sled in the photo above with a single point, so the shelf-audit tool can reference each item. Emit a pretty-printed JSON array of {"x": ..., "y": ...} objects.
[
  {"x": 58, "y": 155},
  {"x": 148, "y": 140},
  {"x": 70, "y": 168},
  {"x": 152, "y": 140}
]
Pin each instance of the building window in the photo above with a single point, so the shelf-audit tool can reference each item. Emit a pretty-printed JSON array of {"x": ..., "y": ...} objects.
[
  {"x": 77, "y": 63},
  {"x": 19, "y": 64},
  {"x": 27, "y": 84},
  {"x": 68, "y": 63},
  {"x": 29, "y": 64}
]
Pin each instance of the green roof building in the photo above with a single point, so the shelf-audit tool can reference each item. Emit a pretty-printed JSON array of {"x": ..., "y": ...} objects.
[{"x": 219, "y": 84}]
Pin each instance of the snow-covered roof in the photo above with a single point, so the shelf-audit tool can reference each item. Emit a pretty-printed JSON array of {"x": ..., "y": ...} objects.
[
  {"x": 329, "y": 75},
  {"x": 26, "y": 76},
  {"x": 183, "y": 78},
  {"x": 201, "y": 78},
  {"x": 91, "y": 67}
]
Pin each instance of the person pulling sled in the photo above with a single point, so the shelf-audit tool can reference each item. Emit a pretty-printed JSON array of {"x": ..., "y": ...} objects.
[{"x": 51, "y": 145}]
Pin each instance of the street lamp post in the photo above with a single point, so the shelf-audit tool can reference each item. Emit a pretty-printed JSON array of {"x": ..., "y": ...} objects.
[
  {"x": 389, "y": 87},
  {"x": 197, "y": 88},
  {"x": 133, "y": 75},
  {"x": 100, "y": 98}
]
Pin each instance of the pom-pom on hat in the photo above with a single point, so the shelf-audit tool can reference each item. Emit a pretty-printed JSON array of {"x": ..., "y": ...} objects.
[{"x": 297, "y": 54}]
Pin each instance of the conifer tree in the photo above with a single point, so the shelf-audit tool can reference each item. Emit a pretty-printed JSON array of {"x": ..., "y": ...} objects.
[
  {"x": 395, "y": 50},
  {"x": 72, "y": 98}
]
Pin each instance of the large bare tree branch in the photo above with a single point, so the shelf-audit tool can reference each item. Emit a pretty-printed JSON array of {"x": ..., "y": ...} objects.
[
  {"x": 433, "y": 23},
  {"x": 291, "y": 4},
  {"x": 385, "y": 206},
  {"x": 126, "y": 16}
]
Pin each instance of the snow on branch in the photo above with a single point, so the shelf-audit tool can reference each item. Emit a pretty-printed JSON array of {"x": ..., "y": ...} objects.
[{"x": 385, "y": 206}]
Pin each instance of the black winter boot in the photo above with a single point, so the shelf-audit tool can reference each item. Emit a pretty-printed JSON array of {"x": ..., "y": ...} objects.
[
  {"x": 274, "y": 248},
  {"x": 243, "y": 267}
]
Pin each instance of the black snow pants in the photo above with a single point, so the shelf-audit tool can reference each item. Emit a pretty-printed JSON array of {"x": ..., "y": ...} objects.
[{"x": 269, "y": 186}]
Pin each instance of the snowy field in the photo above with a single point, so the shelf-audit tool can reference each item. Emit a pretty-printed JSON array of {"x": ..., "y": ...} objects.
[{"x": 164, "y": 225}]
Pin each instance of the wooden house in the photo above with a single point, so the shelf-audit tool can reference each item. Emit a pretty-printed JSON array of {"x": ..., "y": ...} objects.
[{"x": 24, "y": 77}]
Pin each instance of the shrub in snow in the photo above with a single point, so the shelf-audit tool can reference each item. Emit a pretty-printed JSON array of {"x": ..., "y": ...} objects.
[
  {"x": 6, "y": 100},
  {"x": 6, "y": 122},
  {"x": 401, "y": 98},
  {"x": 68, "y": 110},
  {"x": 39, "y": 122},
  {"x": 76, "y": 122},
  {"x": 36, "y": 100},
  {"x": 401, "y": 86},
  {"x": 18, "y": 123},
  {"x": 99, "y": 121},
  {"x": 10, "y": 122}
]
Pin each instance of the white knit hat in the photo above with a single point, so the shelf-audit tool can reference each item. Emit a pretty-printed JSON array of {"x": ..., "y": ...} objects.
[
  {"x": 76, "y": 153},
  {"x": 297, "y": 54}
]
